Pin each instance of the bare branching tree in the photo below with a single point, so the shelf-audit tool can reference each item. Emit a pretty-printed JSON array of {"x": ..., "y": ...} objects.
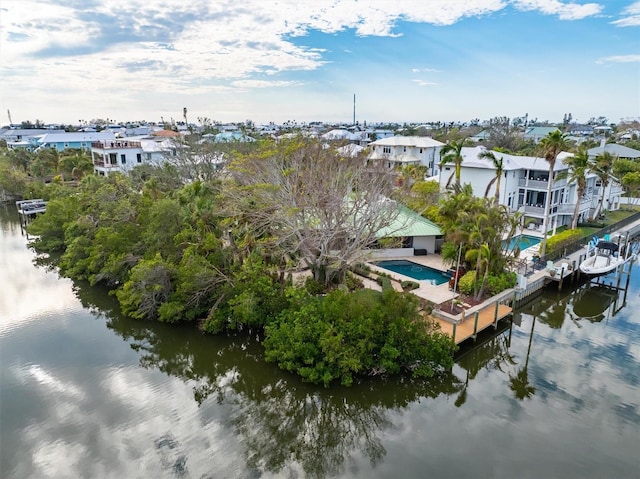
[
  {"x": 304, "y": 198},
  {"x": 196, "y": 159}
]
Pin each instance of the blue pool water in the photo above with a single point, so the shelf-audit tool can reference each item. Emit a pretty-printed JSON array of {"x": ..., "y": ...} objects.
[
  {"x": 414, "y": 270},
  {"x": 524, "y": 241}
]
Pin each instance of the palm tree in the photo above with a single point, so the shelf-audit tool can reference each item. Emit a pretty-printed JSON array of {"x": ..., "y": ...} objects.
[
  {"x": 452, "y": 153},
  {"x": 498, "y": 164},
  {"x": 77, "y": 164},
  {"x": 579, "y": 167},
  {"x": 602, "y": 166},
  {"x": 550, "y": 146}
]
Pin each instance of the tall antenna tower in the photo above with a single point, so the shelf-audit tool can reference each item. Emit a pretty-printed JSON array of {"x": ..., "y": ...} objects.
[{"x": 354, "y": 109}]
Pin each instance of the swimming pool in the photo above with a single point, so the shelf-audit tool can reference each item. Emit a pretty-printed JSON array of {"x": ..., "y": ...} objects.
[
  {"x": 414, "y": 270},
  {"x": 523, "y": 241}
]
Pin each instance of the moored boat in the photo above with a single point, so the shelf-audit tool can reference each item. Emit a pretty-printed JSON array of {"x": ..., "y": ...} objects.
[{"x": 604, "y": 256}]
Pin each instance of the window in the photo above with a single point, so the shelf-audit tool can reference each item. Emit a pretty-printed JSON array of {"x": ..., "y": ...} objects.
[
  {"x": 386, "y": 149},
  {"x": 148, "y": 156},
  {"x": 420, "y": 150},
  {"x": 404, "y": 149},
  {"x": 66, "y": 145},
  {"x": 113, "y": 159},
  {"x": 123, "y": 159},
  {"x": 139, "y": 157}
]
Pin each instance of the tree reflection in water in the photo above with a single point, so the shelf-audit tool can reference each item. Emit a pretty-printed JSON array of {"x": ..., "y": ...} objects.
[{"x": 281, "y": 422}]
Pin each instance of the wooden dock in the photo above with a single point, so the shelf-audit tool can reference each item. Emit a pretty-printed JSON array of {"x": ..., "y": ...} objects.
[
  {"x": 31, "y": 207},
  {"x": 470, "y": 323}
]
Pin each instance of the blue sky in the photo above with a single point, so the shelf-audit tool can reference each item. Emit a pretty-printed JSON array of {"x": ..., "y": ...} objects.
[{"x": 303, "y": 60}]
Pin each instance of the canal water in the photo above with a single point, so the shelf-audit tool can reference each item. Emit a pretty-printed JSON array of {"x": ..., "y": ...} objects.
[{"x": 88, "y": 393}]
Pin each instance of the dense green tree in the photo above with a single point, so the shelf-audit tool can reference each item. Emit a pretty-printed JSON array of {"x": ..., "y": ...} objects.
[
  {"x": 345, "y": 335},
  {"x": 148, "y": 290}
]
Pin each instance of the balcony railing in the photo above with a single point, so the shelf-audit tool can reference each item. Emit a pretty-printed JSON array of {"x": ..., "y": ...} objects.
[
  {"x": 115, "y": 144},
  {"x": 534, "y": 210},
  {"x": 102, "y": 164},
  {"x": 541, "y": 184}
]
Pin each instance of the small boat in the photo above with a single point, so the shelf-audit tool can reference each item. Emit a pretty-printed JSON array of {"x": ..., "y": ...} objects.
[{"x": 604, "y": 256}]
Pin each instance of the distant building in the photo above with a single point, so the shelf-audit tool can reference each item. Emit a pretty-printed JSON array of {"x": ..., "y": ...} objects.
[
  {"x": 396, "y": 151},
  {"x": 537, "y": 133},
  {"x": 616, "y": 150},
  {"x": 20, "y": 137},
  {"x": 80, "y": 140}
]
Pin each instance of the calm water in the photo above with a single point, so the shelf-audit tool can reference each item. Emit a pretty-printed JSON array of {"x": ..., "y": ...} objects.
[{"x": 85, "y": 392}]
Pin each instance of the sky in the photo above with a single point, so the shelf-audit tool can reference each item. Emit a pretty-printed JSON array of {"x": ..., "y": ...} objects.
[{"x": 63, "y": 61}]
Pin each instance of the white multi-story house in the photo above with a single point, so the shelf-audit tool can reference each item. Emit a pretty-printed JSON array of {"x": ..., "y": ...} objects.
[
  {"x": 122, "y": 154},
  {"x": 396, "y": 151},
  {"x": 524, "y": 186}
]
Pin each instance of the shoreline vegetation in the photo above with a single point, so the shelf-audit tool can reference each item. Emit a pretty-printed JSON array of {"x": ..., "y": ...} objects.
[
  {"x": 216, "y": 235},
  {"x": 221, "y": 253}
]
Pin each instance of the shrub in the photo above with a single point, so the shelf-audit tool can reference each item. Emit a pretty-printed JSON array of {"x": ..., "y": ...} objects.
[
  {"x": 467, "y": 282},
  {"x": 409, "y": 285},
  {"x": 498, "y": 283},
  {"x": 344, "y": 335},
  {"x": 352, "y": 282},
  {"x": 558, "y": 241}
]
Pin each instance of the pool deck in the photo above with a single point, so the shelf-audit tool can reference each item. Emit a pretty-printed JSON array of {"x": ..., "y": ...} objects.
[{"x": 437, "y": 294}]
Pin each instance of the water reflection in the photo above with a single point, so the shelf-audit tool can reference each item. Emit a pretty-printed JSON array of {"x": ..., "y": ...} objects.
[{"x": 141, "y": 399}]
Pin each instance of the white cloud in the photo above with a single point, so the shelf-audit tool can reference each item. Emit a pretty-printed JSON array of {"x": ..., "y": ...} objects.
[
  {"x": 631, "y": 18},
  {"x": 620, "y": 59},
  {"x": 565, "y": 11},
  {"x": 423, "y": 82},
  {"x": 425, "y": 70},
  {"x": 264, "y": 83}
]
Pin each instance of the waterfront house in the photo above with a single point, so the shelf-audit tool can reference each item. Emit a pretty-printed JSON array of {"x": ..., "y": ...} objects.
[
  {"x": 524, "y": 185},
  {"x": 397, "y": 151},
  {"x": 119, "y": 155}
]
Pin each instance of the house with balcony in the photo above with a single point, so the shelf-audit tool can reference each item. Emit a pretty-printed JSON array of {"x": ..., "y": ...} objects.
[
  {"x": 397, "y": 151},
  {"x": 524, "y": 187},
  {"x": 120, "y": 155}
]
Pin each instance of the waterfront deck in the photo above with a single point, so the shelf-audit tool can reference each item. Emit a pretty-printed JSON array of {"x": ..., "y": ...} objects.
[
  {"x": 31, "y": 207},
  {"x": 474, "y": 322}
]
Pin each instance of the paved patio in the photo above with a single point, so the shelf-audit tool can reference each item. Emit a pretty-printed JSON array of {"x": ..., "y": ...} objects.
[{"x": 437, "y": 294}]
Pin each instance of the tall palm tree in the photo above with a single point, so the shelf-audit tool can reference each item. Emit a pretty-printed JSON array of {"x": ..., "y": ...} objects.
[
  {"x": 579, "y": 167},
  {"x": 498, "y": 164},
  {"x": 602, "y": 166},
  {"x": 551, "y": 146},
  {"x": 451, "y": 153}
]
